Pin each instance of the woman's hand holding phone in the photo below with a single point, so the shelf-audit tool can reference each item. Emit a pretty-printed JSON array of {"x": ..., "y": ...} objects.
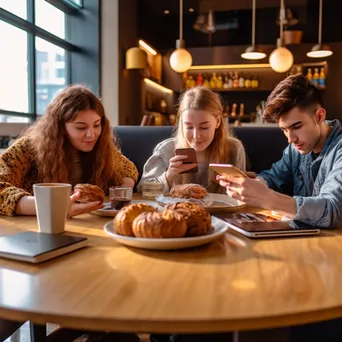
[{"x": 177, "y": 166}]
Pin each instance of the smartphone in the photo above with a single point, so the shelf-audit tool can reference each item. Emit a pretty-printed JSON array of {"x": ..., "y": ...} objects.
[
  {"x": 191, "y": 153},
  {"x": 228, "y": 169}
]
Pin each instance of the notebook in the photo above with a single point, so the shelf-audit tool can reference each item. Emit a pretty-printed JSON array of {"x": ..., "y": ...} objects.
[{"x": 37, "y": 247}]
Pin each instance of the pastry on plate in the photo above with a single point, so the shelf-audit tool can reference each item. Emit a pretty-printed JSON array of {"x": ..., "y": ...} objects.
[
  {"x": 188, "y": 191},
  {"x": 125, "y": 217},
  {"x": 198, "y": 220},
  {"x": 166, "y": 224},
  {"x": 89, "y": 193}
]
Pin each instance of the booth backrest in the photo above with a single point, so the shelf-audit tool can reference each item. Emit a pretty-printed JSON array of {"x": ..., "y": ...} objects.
[{"x": 264, "y": 145}]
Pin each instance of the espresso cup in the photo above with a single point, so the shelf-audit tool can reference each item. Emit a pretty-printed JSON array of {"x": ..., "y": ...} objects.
[{"x": 52, "y": 202}]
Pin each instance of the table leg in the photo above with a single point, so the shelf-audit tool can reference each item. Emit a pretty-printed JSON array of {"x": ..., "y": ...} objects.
[
  {"x": 37, "y": 332},
  {"x": 235, "y": 336}
]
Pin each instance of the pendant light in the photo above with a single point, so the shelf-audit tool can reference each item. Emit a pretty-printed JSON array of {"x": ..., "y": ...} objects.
[
  {"x": 253, "y": 51},
  {"x": 319, "y": 50},
  {"x": 180, "y": 59},
  {"x": 281, "y": 59}
]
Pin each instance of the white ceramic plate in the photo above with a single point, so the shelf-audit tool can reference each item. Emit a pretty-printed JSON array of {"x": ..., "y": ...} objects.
[
  {"x": 108, "y": 211},
  {"x": 219, "y": 227},
  {"x": 212, "y": 202}
]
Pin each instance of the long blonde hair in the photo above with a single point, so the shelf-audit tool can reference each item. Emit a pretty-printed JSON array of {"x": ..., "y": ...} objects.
[
  {"x": 202, "y": 98},
  {"x": 53, "y": 149}
]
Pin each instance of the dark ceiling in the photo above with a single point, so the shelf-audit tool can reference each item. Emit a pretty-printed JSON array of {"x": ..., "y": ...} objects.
[{"x": 161, "y": 30}]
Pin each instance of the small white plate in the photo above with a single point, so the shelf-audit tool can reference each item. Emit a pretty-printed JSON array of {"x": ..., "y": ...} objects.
[
  {"x": 219, "y": 228},
  {"x": 212, "y": 202},
  {"x": 108, "y": 211}
]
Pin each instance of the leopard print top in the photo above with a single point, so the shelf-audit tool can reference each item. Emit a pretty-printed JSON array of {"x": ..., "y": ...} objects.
[{"x": 18, "y": 173}]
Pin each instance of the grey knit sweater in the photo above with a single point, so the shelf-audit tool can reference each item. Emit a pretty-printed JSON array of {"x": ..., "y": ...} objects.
[{"x": 157, "y": 165}]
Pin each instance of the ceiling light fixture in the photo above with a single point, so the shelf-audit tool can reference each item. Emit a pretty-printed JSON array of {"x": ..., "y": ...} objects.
[
  {"x": 281, "y": 59},
  {"x": 254, "y": 51},
  {"x": 319, "y": 50},
  {"x": 180, "y": 59}
]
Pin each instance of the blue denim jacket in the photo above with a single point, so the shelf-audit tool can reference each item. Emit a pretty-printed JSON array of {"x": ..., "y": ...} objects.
[{"x": 315, "y": 184}]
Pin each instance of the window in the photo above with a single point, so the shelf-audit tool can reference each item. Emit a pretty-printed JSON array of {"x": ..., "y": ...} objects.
[
  {"x": 51, "y": 72},
  {"x": 17, "y": 7},
  {"x": 13, "y": 69},
  {"x": 76, "y": 2},
  {"x": 42, "y": 40},
  {"x": 50, "y": 18}
]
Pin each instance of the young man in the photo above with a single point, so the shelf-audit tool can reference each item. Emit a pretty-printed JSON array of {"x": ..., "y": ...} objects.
[{"x": 306, "y": 184}]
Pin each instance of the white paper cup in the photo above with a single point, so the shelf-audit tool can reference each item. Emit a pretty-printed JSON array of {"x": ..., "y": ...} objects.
[{"x": 52, "y": 205}]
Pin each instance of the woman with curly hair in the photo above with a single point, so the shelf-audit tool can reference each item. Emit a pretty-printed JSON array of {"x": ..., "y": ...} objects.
[{"x": 71, "y": 143}]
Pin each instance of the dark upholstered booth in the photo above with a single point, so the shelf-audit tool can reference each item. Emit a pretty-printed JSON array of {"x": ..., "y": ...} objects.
[{"x": 264, "y": 145}]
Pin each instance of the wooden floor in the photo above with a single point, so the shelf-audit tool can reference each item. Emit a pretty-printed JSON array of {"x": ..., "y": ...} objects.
[{"x": 23, "y": 334}]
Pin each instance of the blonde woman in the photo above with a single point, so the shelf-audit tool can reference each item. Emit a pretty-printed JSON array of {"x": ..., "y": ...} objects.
[{"x": 200, "y": 126}]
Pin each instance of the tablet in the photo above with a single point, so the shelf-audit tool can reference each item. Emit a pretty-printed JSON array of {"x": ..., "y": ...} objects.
[{"x": 259, "y": 226}]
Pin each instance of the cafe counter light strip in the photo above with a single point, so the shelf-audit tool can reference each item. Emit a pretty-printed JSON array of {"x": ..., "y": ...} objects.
[
  {"x": 158, "y": 86},
  {"x": 147, "y": 48},
  {"x": 229, "y": 66}
]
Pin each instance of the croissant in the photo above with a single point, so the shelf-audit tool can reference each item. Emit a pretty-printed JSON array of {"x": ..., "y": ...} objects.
[
  {"x": 166, "y": 224},
  {"x": 124, "y": 218},
  {"x": 198, "y": 220},
  {"x": 188, "y": 191},
  {"x": 89, "y": 193}
]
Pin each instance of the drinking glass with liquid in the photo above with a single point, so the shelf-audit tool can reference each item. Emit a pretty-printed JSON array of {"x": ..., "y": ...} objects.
[
  {"x": 120, "y": 196},
  {"x": 151, "y": 188}
]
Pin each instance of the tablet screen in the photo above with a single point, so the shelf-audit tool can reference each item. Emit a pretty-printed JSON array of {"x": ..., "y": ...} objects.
[{"x": 251, "y": 222}]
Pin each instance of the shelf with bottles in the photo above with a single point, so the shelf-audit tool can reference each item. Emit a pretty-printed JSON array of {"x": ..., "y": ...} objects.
[
  {"x": 233, "y": 116},
  {"x": 224, "y": 81},
  {"x": 315, "y": 72}
]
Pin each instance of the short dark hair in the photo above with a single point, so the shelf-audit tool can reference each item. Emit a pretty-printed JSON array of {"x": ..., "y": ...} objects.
[{"x": 293, "y": 91}]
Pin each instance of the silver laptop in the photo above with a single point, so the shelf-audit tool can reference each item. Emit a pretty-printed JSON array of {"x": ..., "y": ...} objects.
[{"x": 260, "y": 226}]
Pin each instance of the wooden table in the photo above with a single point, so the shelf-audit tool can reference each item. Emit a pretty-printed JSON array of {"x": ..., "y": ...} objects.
[{"x": 232, "y": 284}]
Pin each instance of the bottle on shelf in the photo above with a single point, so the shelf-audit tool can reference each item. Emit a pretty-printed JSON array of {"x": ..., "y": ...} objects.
[
  {"x": 206, "y": 81},
  {"x": 258, "y": 118},
  {"x": 236, "y": 80},
  {"x": 213, "y": 81},
  {"x": 241, "y": 81},
  {"x": 322, "y": 79},
  {"x": 309, "y": 75},
  {"x": 248, "y": 82},
  {"x": 163, "y": 106},
  {"x": 242, "y": 110},
  {"x": 226, "y": 81},
  {"x": 199, "y": 79},
  {"x": 233, "y": 113},
  {"x": 316, "y": 78},
  {"x": 230, "y": 81},
  {"x": 255, "y": 81},
  {"x": 190, "y": 82},
  {"x": 219, "y": 82}
]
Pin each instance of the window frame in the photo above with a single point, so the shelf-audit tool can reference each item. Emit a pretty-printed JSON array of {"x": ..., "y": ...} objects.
[{"x": 72, "y": 10}]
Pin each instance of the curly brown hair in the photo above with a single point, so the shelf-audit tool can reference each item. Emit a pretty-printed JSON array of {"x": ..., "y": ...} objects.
[
  {"x": 53, "y": 150},
  {"x": 293, "y": 91}
]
